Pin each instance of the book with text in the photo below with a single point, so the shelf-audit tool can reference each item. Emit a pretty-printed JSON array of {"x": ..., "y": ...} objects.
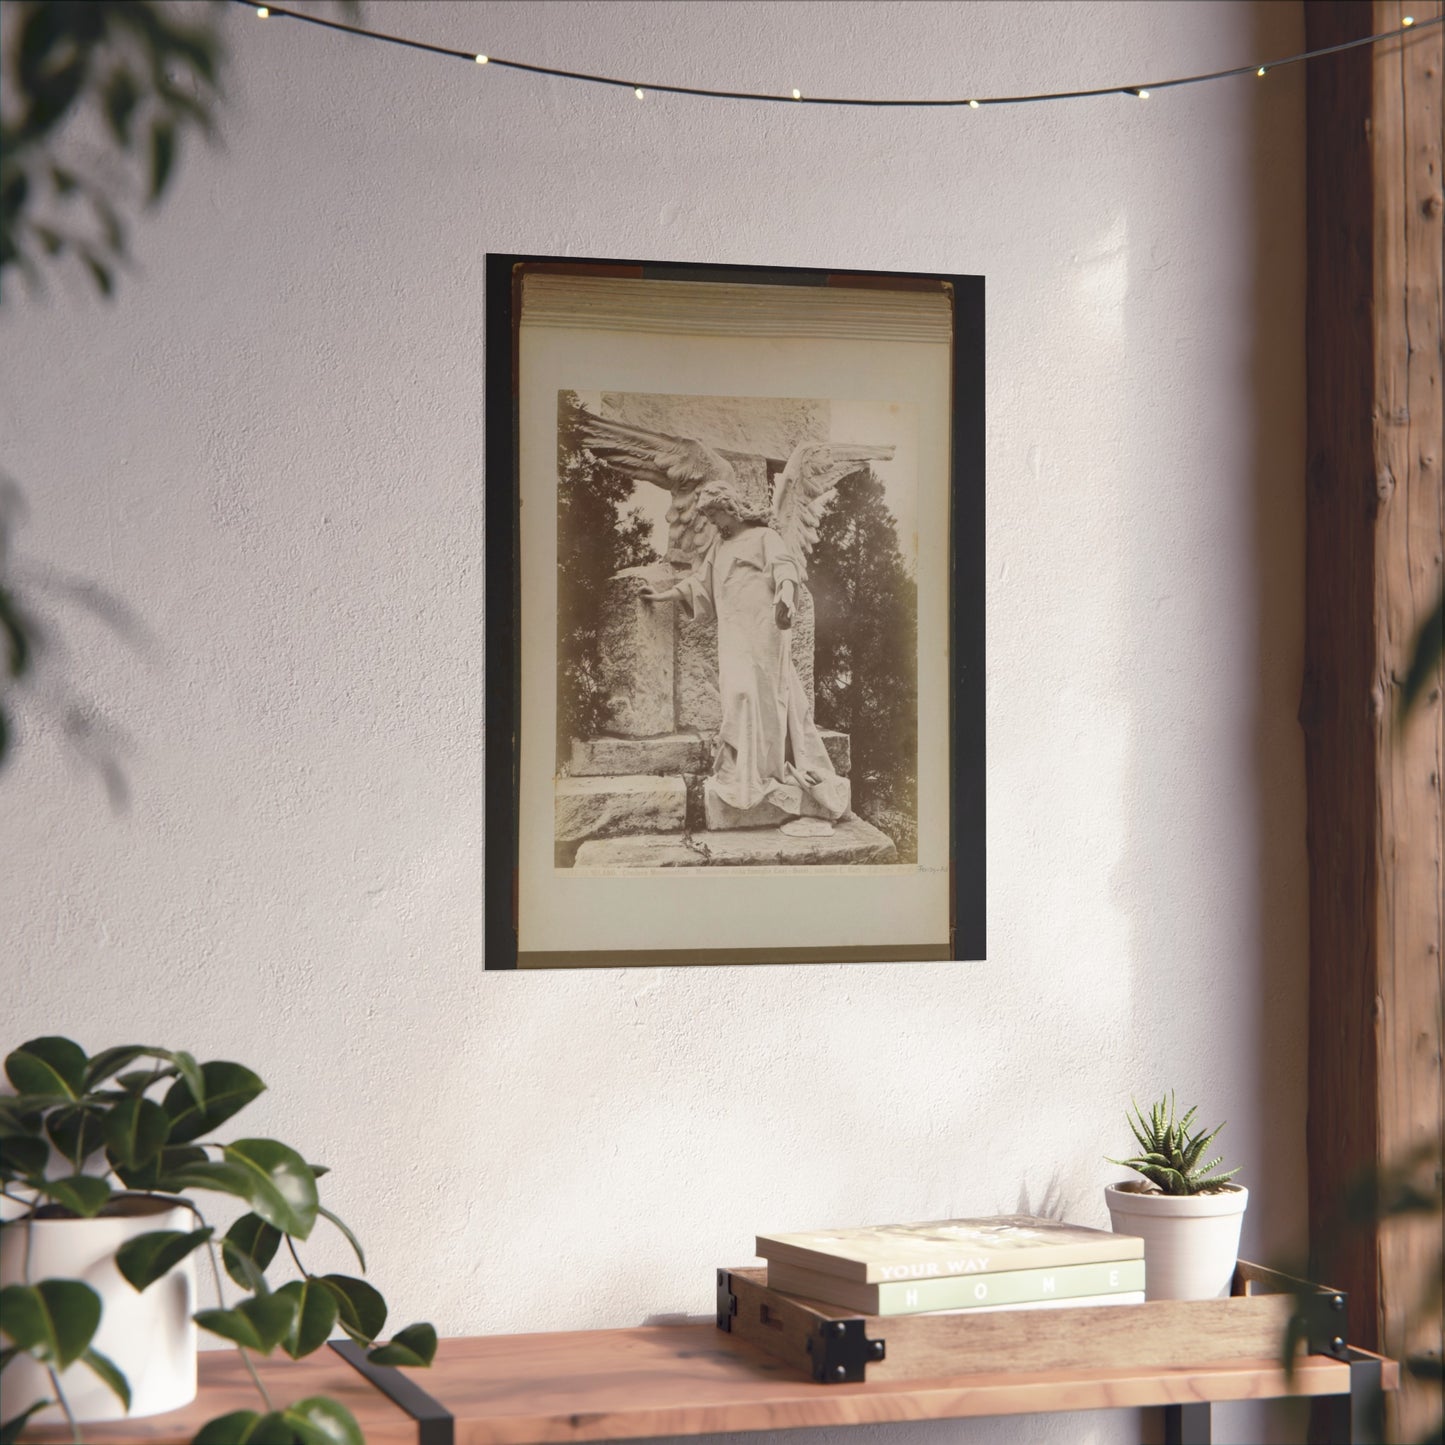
[
  {"x": 962, "y": 1292},
  {"x": 942, "y": 1247}
]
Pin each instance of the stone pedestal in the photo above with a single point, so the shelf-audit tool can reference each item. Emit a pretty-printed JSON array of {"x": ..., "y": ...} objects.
[
  {"x": 637, "y": 654},
  {"x": 852, "y": 841},
  {"x": 599, "y": 807}
]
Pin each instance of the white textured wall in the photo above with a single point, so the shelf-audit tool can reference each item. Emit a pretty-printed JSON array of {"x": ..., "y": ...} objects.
[{"x": 270, "y": 447}]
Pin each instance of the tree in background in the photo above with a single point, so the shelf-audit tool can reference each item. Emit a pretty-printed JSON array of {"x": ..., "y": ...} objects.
[
  {"x": 865, "y": 673},
  {"x": 597, "y": 536},
  {"x": 131, "y": 78}
]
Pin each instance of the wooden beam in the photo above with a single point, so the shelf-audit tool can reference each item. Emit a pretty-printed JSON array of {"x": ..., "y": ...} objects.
[{"x": 1374, "y": 544}]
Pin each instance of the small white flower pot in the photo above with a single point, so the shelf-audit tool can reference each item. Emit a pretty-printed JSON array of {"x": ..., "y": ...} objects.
[
  {"x": 1191, "y": 1241},
  {"x": 149, "y": 1336}
]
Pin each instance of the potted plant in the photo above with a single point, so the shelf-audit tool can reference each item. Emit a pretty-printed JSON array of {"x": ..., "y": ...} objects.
[
  {"x": 102, "y": 1230},
  {"x": 1187, "y": 1213}
]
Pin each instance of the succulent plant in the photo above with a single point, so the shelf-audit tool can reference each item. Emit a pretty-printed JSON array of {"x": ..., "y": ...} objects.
[{"x": 1170, "y": 1153}]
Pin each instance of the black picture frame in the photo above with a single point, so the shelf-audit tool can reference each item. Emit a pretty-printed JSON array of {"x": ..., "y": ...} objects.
[{"x": 504, "y": 588}]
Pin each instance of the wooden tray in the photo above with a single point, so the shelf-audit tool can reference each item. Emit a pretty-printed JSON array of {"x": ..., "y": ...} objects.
[{"x": 837, "y": 1346}]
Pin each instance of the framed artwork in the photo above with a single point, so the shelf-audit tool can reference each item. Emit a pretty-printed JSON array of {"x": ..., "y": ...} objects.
[{"x": 735, "y": 606}]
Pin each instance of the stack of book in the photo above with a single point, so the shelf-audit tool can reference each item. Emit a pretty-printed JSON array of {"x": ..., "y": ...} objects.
[{"x": 1013, "y": 1261}]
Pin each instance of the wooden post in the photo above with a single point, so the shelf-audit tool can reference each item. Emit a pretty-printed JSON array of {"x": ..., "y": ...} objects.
[{"x": 1374, "y": 544}]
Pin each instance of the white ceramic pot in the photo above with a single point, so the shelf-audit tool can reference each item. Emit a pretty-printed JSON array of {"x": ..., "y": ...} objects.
[
  {"x": 1191, "y": 1241},
  {"x": 149, "y": 1336}
]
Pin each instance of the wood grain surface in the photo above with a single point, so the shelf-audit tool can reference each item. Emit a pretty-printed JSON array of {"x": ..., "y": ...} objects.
[
  {"x": 689, "y": 1380},
  {"x": 226, "y": 1386},
  {"x": 1374, "y": 545},
  {"x": 696, "y": 1379},
  {"x": 1155, "y": 1335}
]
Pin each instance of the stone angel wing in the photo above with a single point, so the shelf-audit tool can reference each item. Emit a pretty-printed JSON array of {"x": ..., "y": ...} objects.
[
  {"x": 807, "y": 485},
  {"x": 679, "y": 465}
]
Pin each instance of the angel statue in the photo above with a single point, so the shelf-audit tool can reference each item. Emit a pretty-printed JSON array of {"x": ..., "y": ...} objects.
[{"x": 770, "y": 765}]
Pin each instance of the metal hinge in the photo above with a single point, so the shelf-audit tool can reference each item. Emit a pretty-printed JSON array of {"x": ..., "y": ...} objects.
[
  {"x": 727, "y": 1301},
  {"x": 841, "y": 1352}
]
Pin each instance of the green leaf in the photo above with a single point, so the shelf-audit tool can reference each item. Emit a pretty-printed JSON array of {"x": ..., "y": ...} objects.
[
  {"x": 111, "y": 1061},
  {"x": 232, "y": 1429},
  {"x": 351, "y": 1239},
  {"x": 316, "y": 1311},
  {"x": 245, "y": 1427},
  {"x": 106, "y": 1368},
  {"x": 282, "y": 1187},
  {"x": 163, "y": 156},
  {"x": 195, "y": 1076},
  {"x": 259, "y": 1323},
  {"x": 19, "y": 1116},
  {"x": 84, "y": 1194},
  {"x": 362, "y": 1310},
  {"x": 10, "y": 1431},
  {"x": 121, "y": 96},
  {"x": 55, "y": 1320},
  {"x": 319, "y": 1421},
  {"x": 206, "y": 1174},
  {"x": 100, "y": 274},
  {"x": 76, "y": 1131},
  {"x": 149, "y": 1257},
  {"x": 248, "y": 1248},
  {"x": 156, "y": 1174},
  {"x": 49, "y": 1065},
  {"x": 20, "y": 1157},
  {"x": 415, "y": 1345},
  {"x": 137, "y": 1081},
  {"x": 227, "y": 1089},
  {"x": 136, "y": 1130}
]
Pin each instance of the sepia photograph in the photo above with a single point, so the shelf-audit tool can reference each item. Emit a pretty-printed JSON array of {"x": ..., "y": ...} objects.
[
  {"x": 737, "y": 632},
  {"x": 735, "y": 538}
]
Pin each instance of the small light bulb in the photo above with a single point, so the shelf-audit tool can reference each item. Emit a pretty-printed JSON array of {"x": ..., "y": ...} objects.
[
  {"x": 482, "y": 59},
  {"x": 1408, "y": 21},
  {"x": 1143, "y": 95},
  {"x": 262, "y": 12},
  {"x": 797, "y": 95},
  {"x": 637, "y": 91},
  {"x": 973, "y": 105},
  {"x": 1260, "y": 72}
]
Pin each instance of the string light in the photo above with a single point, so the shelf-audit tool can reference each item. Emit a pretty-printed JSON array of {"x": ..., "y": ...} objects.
[{"x": 1141, "y": 91}]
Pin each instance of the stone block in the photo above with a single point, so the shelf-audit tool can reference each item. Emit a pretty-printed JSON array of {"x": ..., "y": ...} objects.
[
  {"x": 698, "y": 702},
  {"x": 603, "y": 806},
  {"x": 852, "y": 841},
  {"x": 636, "y": 650},
  {"x": 674, "y": 753}
]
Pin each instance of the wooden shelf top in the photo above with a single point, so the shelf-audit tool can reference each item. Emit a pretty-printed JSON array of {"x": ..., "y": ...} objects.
[{"x": 688, "y": 1379}]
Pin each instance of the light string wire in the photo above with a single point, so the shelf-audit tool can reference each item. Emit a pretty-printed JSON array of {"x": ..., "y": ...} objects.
[{"x": 641, "y": 87}]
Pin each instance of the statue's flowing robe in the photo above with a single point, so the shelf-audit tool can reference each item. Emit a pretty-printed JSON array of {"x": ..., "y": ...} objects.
[{"x": 767, "y": 741}]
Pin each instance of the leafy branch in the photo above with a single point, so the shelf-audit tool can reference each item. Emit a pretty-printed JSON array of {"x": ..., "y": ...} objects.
[{"x": 82, "y": 1136}]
